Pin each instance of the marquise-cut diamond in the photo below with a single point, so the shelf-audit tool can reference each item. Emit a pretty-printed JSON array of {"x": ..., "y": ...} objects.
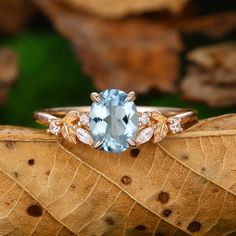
[
  {"x": 54, "y": 128},
  {"x": 113, "y": 121},
  {"x": 144, "y": 118},
  {"x": 175, "y": 125},
  {"x": 145, "y": 135},
  {"x": 84, "y": 136}
]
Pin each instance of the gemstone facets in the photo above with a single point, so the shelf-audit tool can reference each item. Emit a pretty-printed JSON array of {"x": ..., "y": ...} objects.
[
  {"x": 144, "y": 118},
  {"x": 175, "y": 125},
  {"x": 84, "y": 119},
  {"x": 145, "y": 135},
  {"x": 84, "y": 136},
  {"x": 54, "y": 127},
  {"x": 113, "y": 121}
]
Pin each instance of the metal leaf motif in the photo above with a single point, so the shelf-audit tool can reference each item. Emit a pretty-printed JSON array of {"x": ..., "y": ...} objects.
[
  {"x": 71, "y": 118},
  {"x": 68, "y": 133},
  {"x": 161, "y": 129},
  {"x": 160, "y": 132},
  {"x": 67, "y": 130},
  {"x": 157, "y": 116}
]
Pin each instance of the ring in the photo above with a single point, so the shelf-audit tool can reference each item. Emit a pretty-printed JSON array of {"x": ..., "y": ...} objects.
[{"x": 113, "y": 123}]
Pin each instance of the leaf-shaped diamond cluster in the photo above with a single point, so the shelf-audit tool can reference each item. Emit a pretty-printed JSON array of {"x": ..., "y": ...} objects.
[
  {"x": 73, "y": 127},
  {"x": 155, "y": 126},
  {"x": 152, "y": 126}
]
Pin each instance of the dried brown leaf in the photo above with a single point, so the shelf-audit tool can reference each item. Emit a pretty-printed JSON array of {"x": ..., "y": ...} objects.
[
  {"x": 71, "y": 118},
  {"x": 196, "y": 87},
  {"x": 9, "y": 67},
  {"x": 120, "y": 8},
  {"x": 130, "y": 54},
  {"x": 9, "y": 70},
  {"x": 184, "y": 185},
  {"x": 14, "y": 15},
  {"x": 212, "y": 78},
  {"x": 161, "y": 128},
  {"x": 68, "y": 132},
  {"x": 219, "y": 59},
  {"x": 160, "y": 132},
  {"x": 213, "y": 25}
]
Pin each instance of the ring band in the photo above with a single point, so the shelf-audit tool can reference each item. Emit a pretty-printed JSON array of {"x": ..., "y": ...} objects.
[{"x": 113, "y": 122}]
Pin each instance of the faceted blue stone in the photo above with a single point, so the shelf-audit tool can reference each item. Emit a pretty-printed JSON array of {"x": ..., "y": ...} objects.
[{"x": 113, "y": 121}]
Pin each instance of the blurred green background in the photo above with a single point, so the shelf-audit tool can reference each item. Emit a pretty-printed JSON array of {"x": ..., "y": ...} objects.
[{"x": 50, "y": 76}]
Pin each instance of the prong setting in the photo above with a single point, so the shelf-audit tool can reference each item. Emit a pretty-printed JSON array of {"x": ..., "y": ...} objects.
[
  {"x": 54, "y": 126},
  {"x": 175, "y": 125},
  {"x": 113, "y": 111},
  {"x": 113, "y": 123},
  {"x": 98, "y": 144},
  {"x": 132, "y": 143},
  {"x": 95, "y": 97},
  {"x": 131, "y": 96}
]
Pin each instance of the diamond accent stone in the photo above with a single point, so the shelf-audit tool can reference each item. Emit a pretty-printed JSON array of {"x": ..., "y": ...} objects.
[
  {"x": 54, "y": 128},
  {"x": 144, "y": 118},
  {"x": 84, "y": 136},
  {"x": 175, "y": 125},
  {"x": 113, "y": 121},
  {"x": 84, "y": 119},
  {"x": 145, "y": 135}
]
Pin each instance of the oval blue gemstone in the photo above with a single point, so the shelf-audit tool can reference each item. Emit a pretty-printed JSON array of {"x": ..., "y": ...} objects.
[{"x": 113, "y": 121}]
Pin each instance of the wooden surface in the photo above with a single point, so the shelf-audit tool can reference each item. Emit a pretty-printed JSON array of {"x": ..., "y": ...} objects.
[{"x": 185, "y": 185}]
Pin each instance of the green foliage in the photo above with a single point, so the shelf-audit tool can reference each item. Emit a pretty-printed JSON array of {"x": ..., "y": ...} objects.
[{"x": 50, "y": 76}]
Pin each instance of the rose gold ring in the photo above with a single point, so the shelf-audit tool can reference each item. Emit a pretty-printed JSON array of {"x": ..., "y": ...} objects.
[{"x": 113, "y": 122}]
